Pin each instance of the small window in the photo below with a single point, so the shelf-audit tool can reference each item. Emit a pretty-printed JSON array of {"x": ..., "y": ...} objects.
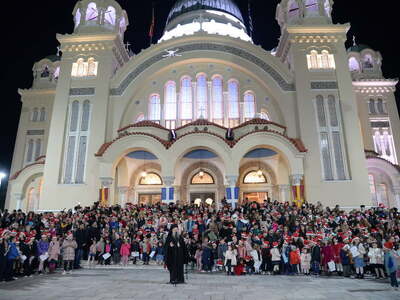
[
  {"x": 110, "y": 16},
  {"x": 35, "y": 115},
  {"x": 202, "y": 178},
  {"x": 78, "y": 17},
  {"x": 42, "y": 114},
  {"x": 368, "y": 62},
  {"x": 92, "y": 13},
  {"x": 254, "y": 177},
  {"x": 354, "y": 66},
  {"x": 150, "y": 179}
]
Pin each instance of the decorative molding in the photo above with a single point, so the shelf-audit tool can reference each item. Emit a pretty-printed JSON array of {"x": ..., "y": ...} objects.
[
  {"x": 381, "y": 124},
  {"x": 324, "y": 85},
  {"x": 82, "y": 91},
  {"x": 35, "y": 132},
  {"x": 296, "y": 179},
  {"x": 106, "y": 182},
  {"x": 286, "y": 86}
]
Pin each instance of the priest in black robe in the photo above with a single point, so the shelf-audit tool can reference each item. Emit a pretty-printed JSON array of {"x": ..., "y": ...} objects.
[{"x": 176, "y": 255}]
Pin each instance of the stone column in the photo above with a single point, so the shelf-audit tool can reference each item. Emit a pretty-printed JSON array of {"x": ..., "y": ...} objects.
[
  {"x": 123, "y": 195},
  {"x": 18, "y": 198},
  {"x": 284, "y": 192},
  {"x": 168, "y": 192},
  {"x": 296, "y": 183},
  {"x": 396, "y": 192},
  {"x": 232, "y": 192}
]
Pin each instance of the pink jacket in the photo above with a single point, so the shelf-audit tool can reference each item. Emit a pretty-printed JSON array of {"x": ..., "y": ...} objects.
[{"x": 125, "y": 250}]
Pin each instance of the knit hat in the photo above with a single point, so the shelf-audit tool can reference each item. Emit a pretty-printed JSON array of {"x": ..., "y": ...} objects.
[
  {"x": 388, "y": 245},
  {"x": 275, "y": 244}
]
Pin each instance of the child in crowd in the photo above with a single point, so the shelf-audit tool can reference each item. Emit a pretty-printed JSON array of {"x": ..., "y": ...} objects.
[
  {"x": 125, "y": 252},
  {"x": 198, "y": 255},
  {"x": 376, "y": 256},
  {"x": 68, "y": 248},
  {"x": 305, "y": 261},
  {"x": 160, "y": 253},
  {"x": 107, "y": 251},
  {"x": 391, "y": 264},
  {"x": 276, "y": 257},
  {"x": 92, "y": 253},
  {"x": 54, "y": 252},
  {"x": 346, "y": 258},
  {"x": 294, "y": 258},
  {"x": 230, "y": 259}
]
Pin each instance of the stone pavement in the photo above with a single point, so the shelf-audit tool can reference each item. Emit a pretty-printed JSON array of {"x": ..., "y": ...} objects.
[{"x": 146, "y": 283}]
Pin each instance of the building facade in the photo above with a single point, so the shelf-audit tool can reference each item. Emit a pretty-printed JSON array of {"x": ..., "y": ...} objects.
[{"x": 205, "y": 114}]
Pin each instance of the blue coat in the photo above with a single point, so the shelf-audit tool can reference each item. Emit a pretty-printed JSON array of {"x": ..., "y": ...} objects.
[
  {"x": 12, "y": 252},
  {"x": 390, "y": 262}
]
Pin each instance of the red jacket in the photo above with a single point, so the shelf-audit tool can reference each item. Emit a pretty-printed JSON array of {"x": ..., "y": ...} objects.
[{"x": 294, "y": 257}]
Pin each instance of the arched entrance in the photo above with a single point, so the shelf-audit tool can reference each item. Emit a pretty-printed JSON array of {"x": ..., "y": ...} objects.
[
  {"x": 138, "y": 178},
  {"x": 202, "y": 180}
]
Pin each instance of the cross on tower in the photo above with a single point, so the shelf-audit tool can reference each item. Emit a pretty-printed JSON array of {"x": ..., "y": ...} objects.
[
  {"x": 201, "y": 20},
  {"x": 202, "y": 111},
  {"x": 127, "y": 46}
]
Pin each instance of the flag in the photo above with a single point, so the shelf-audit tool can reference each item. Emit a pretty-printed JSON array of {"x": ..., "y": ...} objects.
[{"x": 152, "y": 25}]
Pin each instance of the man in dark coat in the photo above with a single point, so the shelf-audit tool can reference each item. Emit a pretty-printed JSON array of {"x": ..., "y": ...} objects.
[{"x": 176, "y": 255}]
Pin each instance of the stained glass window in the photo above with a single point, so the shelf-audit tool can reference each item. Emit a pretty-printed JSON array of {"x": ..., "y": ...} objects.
[
  {"x": 202, "y": 178},
  {"x": 150, "y": 179},
  {"x": 254, "y": 177}
]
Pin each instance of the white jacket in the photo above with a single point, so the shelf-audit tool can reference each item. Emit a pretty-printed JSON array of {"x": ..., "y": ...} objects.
[
  {"x": 375, "y": 256},
  {"x": 231, "y": 254},
  {"x": 276, "y": 255}
]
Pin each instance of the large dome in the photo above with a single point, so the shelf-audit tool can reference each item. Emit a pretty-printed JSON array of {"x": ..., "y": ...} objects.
[
  {"x": 221, "y": 17},
  {"x": 184, "y": 6}
]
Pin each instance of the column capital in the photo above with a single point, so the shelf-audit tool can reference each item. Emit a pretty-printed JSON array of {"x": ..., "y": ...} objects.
[
  {"x": 284, "y": 187},
  {"x": 106, "y": 182},
  {"x": 296, "y": 179},
  {"x": 123, "y": 189},
  {"x": 168, "y": 180},
  {"x": 232, "y": 179}
]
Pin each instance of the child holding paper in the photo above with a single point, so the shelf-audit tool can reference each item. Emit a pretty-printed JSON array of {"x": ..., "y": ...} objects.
[{"x": 125, "y": 252}]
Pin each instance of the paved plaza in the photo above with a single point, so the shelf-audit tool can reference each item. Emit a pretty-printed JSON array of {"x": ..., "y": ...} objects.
[{"x": 150, "y": 284}]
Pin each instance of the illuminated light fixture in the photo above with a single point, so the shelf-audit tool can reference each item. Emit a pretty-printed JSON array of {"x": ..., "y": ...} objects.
[
  {"x": 201, "y": 174},
  {"x": 209, "y": 201},
  {"x": 144, "y": 174},
  {"x": 197, "y": 201},
  {"x": 259, "y": 172}
]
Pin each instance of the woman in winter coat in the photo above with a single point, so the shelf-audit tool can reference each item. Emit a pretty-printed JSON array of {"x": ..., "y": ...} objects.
[
  {"x": 68, "y": 247},
  {"x": 230, "y": 259},
  {"x": 54, "y": 252},
  {"x": 376, "y": 256},
  {"x": 125, "y": 252},
  {"x": 207, "y": 259}
]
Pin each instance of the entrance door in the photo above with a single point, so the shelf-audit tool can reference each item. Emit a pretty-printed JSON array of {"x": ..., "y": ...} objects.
[
  {"x": 255, "y": 197},
  {"x": 202, "y": 196},
  {"x": 149, "y": 199}
]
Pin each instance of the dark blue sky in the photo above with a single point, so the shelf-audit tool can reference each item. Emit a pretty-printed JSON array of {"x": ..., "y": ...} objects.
[{"x": 29, "y": 33}]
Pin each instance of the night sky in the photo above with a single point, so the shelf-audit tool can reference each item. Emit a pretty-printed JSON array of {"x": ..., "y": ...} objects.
[{"x": 29, "y": 34}]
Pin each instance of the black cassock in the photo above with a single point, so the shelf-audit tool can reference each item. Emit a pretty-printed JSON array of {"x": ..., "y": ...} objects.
[{"x": 176, "y": 256}]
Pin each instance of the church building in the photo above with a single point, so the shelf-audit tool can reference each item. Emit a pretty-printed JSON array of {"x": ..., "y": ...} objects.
[{"x": 205, "y": 115}]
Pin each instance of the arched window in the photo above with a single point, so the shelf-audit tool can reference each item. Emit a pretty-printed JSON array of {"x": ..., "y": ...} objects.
[
  {"x": 170, "y": 105},
  {"x": 81, "y": 68},
  {"x": 325, "y": 64},
  {"x": 186, "y": 100},
  {"x": 150, "y": 179},
  {"x": 233, "y": 103},
  {"x": 35, "y": 114},
  {"x": 92, "y": 13},
  {"x": 78, "y": 17},
  {"x": 371, "y": 106},
  {"x": 122, "y": 25},
  {"x": 92, "y": 67},
  {"x": 254, "y": 177},
  {"x": 217, "y": 100},
  {"x": 313, "y": 60},
  {"x": 312, "y": 7},
  {"x": 294, "y": 10},
  {"x": 71, "y": 142},
  {"x": 29, "y": 152},
  {"x": 42, "y": 117},
  {"x": 38, "y": 148},
  {"x": 202, "y": 178},
  {"x": 264, "y": 115},
  {"x": 31, "y": 205},
  {"x": 327, "y": 6},
  {"x": 56, "y": 73},
  {"x": 249, "y": 108},
  {"x": 155, "y": 108},
  {"x": 384, "y": 195},
  {"x": 372, "y": 188},
  {"x": 368, "y": 62},
  {"x": 110, "y": 15},
  {"x": 74, "y": 116},
  {"x": 85, "y": 115},
  {"x": 201, "y": 104},
  {"x": 354, "y": 66}
]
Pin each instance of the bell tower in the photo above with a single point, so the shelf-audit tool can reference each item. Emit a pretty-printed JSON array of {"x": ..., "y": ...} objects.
[
  {"x": 313, "y": 49},
  {"x": 90, "y": 57}
]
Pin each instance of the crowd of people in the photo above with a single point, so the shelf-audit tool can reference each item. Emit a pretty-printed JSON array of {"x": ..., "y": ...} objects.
[{"x": 268, "y": 239}]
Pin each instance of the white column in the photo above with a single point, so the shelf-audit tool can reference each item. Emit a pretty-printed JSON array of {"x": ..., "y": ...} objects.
[
  {"x": 123, "y": 195},
  {"x": 18, "y": 198},
  {"x": 396, "y": 191},
  {"x": 284, "y": 192},
  {"x": 230, "y": 190}
]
